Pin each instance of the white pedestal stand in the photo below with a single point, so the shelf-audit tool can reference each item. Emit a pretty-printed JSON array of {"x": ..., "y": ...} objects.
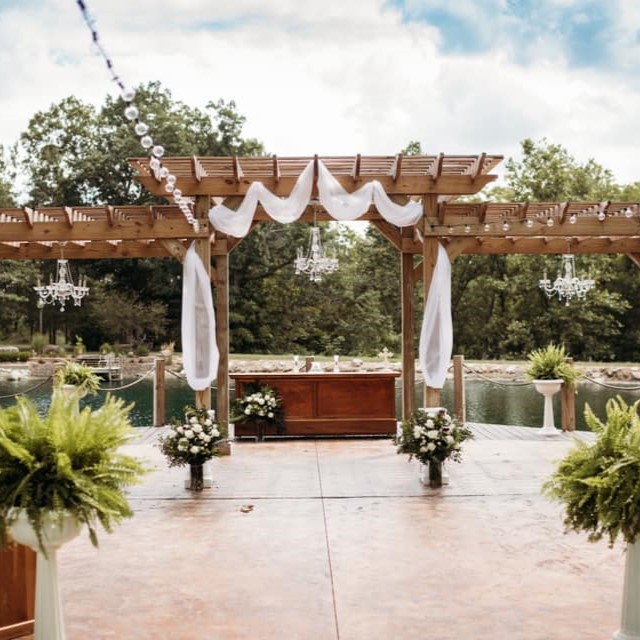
[
  {"x": 548, "y": 388},
  {"x": 630, "y": 622},
  {"x": 49, "y": 621}
]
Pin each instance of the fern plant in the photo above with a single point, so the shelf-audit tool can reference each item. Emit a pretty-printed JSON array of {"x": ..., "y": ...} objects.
[
  {"x": 78, "y": 375},
  {"x": 550, "y": 363},
  {"x": 599, "y": 483},
  {"x": 66, "y": 462}
]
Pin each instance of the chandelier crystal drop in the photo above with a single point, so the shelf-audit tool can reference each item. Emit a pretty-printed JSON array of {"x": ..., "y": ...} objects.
[
  {"x": 62, "y": 289},
  {"x": 316, "y": 262},
  {"x": 567, "y": 285}
]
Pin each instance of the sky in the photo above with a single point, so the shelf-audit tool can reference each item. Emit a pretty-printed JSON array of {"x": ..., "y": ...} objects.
[{"x": 341, "y": 77}]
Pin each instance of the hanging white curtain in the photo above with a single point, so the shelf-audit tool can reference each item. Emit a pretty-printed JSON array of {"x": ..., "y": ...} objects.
[
  {"x": 436, "y": 337},
  {"x": 199, "y": 349},
  {"x": 341, "y": 204}
]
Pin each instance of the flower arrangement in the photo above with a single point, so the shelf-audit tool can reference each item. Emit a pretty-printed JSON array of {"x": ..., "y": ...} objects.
[
  {"x": 194, "y": 440},
  {"x": 260, "y": 402},
  {"x": 431, "y": 434}
]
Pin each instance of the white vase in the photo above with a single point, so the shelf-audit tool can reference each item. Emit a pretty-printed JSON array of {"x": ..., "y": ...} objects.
[
  {"x": 548, "y": 388},
  {"x": 630, "y": 619},
  {"x": 49, "y": 621}
]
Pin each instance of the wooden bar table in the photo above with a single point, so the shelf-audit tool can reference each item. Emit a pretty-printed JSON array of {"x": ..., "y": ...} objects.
[
  {"x": 17, "y": 591},
  {"x": 328, "y": 404}
]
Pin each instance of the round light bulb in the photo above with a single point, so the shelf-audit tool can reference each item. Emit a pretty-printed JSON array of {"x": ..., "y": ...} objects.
[
  {"x": 169, "y": 187},
  {"x": 131, "y": 112},
  {"x": 467, "y": 228},
  {"x": 128, "y": 94},
  {"x": 627, "y": 212},
  {"x": 549, "y": 222},
  {"x": 487, "y": 227},
  {"x": 158, "y": 151},
  {"x": 505, "y": 226},
  {"x": 529, "y": 223},
  {"x": 573, "y": 218},
  {"x": 154, "y": 163},
  {"x": 450, "y": 229},
  {"x": 171, "y": 179},
  {"x": 146, "y": 141},
  {"x": 601, "y": 215},
  {"x": 141, "y": 128},
  {"x": 163, "y": 172}
]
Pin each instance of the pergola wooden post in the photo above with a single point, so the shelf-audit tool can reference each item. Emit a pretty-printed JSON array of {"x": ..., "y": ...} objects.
[
  {"x": 222, "y": 326},
  {"x": 408, "y": 327}
]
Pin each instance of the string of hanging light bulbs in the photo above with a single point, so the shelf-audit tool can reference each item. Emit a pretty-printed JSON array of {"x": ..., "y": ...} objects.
[{"x": 132, "y": 113}]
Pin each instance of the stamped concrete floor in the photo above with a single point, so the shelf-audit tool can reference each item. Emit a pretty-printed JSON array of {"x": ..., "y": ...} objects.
[{"x": 338, "y": 540}]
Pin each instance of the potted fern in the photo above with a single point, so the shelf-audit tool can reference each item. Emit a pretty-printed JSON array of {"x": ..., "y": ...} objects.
[
  {"x": 74, "y": 375},
  {"x": 548, "y": 369},
  {"x": 59, "y": 472},
  {"x": 599, "y": 486}
]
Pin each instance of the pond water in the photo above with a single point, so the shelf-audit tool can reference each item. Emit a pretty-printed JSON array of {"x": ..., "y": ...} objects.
[{"x": 487, "y": 402}]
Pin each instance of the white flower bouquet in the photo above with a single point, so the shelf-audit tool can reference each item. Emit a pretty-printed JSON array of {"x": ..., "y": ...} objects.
[
  {"x": 194, "y": 440},
  {"x": 260, "y": 403},
  {"x": 432, "y": 435}
]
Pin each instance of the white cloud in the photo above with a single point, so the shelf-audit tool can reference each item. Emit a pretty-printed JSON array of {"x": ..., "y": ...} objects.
[{"x": 319, "y": 77}]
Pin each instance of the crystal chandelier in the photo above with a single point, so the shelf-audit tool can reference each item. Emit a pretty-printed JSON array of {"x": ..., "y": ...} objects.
[
  {"x": 567, "y": 285},
  {"x": 315, "y": 263},
  {"x": 60, "y": 290}
]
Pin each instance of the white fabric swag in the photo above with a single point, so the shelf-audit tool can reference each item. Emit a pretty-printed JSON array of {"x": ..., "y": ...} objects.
[
  {"x": 341, "y": 204},
  {"x": 199, "y": 349},
  {"x": 436, "y": 337}
]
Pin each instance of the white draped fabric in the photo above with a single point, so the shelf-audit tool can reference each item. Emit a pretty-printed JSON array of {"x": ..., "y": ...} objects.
[
  {"x": 199, "y": 349},
  {"x": 436, "y": 337},
  {"x": 198, "y": 320},
  {"x": 341, "y": 204}
]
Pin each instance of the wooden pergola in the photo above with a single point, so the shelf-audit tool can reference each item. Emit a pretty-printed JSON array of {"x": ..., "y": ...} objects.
[{"x": 161, "y": 231}]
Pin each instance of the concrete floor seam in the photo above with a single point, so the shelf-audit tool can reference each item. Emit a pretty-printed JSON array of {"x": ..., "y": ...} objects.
[{"x": 326, "y": 537}]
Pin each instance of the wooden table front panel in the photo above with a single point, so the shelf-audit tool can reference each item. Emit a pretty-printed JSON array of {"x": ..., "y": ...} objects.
[
  {"x": 17, "y": 591},
  {"x": 330, "y": 403}
]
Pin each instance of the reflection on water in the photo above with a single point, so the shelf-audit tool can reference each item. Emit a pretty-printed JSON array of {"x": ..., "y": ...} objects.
[{"x": 486, "y": 401}]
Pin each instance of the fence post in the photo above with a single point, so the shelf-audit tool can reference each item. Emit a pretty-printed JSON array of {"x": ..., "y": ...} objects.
[
  {"x": 568, "y": 403},
  {"x": 459, "y": 407},
  {"x": 158, "y": 393}
]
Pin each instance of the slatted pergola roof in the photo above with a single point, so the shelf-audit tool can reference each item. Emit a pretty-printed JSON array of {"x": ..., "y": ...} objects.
[{"x": 436, "y": 180}]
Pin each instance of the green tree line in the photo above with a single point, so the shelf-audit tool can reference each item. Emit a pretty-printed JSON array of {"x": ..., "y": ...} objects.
[{"x": 75, "y": 154}]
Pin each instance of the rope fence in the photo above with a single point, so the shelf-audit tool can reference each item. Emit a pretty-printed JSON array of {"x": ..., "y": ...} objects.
[
  {"x": 130, "y": 384},
  {"x": 492, "y": 381},
  {"x": 24, "y": 392},
  {"x": 610, "y": 386}
]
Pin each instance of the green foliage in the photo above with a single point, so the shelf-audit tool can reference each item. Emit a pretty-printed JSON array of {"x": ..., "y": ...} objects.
[
  {"x": 549, "y": 173},
  {"x": 141, "y": 350},
  {"x": 16, "y": 356},
  {"x": 599, "y": 483},
  {"x": 550, "y": 363},
  {"x": 77, "y": 374},
  {"x": 193, "y": 440},
  {"x": 66, "y": 461},
  {"x": 432, "y": 434},
  {"x": 39, "y": 342}
]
